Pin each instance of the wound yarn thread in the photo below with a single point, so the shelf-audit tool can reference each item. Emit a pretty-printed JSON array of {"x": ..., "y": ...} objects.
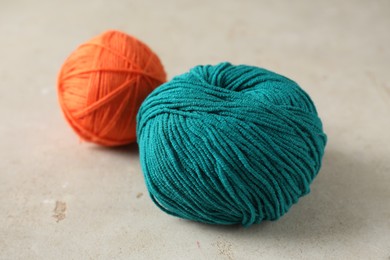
[
  {"x": 229, "y": 144},
  {"x": 103, "y": 83}
]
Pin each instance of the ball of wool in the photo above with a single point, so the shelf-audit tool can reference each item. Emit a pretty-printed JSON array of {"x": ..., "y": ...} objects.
[
  {"x": 229, "y": 144},
  {"x": 103, "y": 83}
]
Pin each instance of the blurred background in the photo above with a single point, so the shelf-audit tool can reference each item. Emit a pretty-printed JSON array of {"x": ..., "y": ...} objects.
[{"x": 63, "y": 199}]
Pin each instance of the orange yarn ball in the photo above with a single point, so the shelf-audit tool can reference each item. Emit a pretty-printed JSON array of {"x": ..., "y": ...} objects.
[{"x": 103, "y": 83}]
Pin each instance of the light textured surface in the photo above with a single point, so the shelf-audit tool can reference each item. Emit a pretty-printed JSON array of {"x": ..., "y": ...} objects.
[{"x": 62, "y": 199}]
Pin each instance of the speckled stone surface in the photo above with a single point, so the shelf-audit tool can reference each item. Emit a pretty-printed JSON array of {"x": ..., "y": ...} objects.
[{"x": 63, "y": 199}]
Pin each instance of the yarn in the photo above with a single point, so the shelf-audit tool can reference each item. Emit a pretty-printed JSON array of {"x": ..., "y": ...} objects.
[
  {"x": 102, "y": 85},
  {"x": 229, "y": 144}
]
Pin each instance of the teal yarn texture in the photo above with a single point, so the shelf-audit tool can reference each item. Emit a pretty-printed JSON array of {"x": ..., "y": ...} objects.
[{"x": 229, "y": 144}]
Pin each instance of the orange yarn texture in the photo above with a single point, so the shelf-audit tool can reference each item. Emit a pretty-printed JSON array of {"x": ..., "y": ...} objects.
[{"x": 103, "y": 83}]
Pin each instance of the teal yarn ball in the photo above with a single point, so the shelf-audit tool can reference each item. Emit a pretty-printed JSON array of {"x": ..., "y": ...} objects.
[{"x": 229, "y": 144}]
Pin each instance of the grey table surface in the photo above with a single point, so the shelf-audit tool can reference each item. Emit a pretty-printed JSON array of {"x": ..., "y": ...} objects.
[{"x": 62, "y": 199}]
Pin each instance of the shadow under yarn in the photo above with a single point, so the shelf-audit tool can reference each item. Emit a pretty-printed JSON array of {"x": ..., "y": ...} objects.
[
  {"x": 123, "y": 151},
  {"x": 336, "y": 206}
]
